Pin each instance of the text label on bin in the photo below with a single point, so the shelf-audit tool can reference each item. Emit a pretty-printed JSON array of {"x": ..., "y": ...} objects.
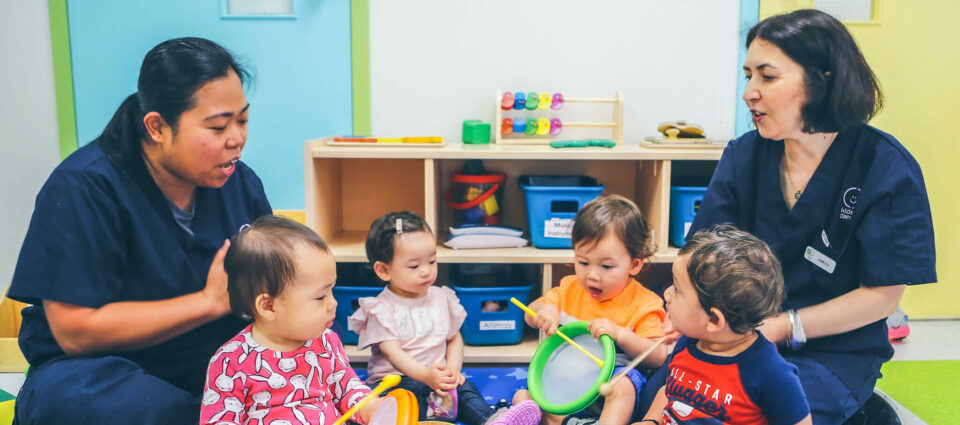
[
  {"x": 558, "y": 228},
  {"x": 498, "y": 325}
]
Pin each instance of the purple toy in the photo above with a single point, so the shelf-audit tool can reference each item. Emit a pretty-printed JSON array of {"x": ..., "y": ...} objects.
[
  {"x": 555, "y": 127},
  {"x": 557, "y": 101}
]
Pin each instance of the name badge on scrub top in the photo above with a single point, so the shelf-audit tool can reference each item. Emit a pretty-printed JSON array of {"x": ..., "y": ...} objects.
[
  {"x": 819, "y": 259},
  {"x": 841, "y": 223}
]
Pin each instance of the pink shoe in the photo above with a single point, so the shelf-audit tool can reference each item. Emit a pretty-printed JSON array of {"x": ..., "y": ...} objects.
[
  {"x": 899, "y": 332},
  {"x": 898, "y": 325},
  {"x": 523, "y": 413}
]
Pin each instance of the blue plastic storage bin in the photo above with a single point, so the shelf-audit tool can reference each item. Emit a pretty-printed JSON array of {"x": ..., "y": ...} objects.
[
  {"x": 347, "y": 297},
  {"x": 684, "y": 203},
  {"x": 552, "y": 203},
  {"x": 492, "y": 327}
]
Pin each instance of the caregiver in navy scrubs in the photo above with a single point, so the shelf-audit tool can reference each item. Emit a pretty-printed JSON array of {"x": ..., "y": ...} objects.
[
  {"x": 842, "y": 204},
  {"x": 123, "y": 259}
]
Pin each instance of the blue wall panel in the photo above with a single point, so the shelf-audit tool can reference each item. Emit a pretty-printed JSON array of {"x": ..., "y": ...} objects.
[
  {"x": 302, "y": 87},
  {"x": 749, "y": 16}
]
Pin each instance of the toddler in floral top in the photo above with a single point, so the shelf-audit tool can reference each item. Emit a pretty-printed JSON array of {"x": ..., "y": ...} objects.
[{"x": 287, "y": 366}]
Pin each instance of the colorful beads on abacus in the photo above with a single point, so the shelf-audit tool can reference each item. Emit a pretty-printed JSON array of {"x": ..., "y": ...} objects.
[
  {"x": 532, "y": 101},
  {"x": 507, "y": 127},
  {"x": 543, "y": 127},
  {"x": 557, "y": 101},
  {"x": 531, "y": 127},
  {"x": 519, "y": 101},
  {"x": 519, "y": 125},
  {"x": 507, "y": 103},
  {"x": 555, "y": 127},
  {"x": 544, "y": 101}
]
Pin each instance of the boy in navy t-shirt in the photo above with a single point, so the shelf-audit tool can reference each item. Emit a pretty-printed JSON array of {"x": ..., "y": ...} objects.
[{"x": 723, "y": 371}]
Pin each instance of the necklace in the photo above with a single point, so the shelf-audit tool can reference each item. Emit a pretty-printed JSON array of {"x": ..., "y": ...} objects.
[
  {"x": 828, "y": 139},
  {"x": 798, "y": 192}
]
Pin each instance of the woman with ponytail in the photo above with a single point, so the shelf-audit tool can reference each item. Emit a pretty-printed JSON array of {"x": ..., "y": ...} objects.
[{"x": 123, "y": 258}]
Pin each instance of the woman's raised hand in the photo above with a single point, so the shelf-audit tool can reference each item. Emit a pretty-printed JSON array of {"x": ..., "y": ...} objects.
[{"x": 216, "y": 289}]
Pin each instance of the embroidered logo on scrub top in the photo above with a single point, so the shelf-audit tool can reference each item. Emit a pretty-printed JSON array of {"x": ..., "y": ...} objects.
[
  {"x": 244, "y": 227},
  {"x": 849, "y": 202}
]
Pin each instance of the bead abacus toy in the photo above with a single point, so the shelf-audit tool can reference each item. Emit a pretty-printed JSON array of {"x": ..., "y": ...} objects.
[{"x": 543, "y": 130}]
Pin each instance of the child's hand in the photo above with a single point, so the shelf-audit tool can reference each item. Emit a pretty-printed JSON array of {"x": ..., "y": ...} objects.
[
  {"x": 456, "y": 376},
  {"x": 670, "y": 335},
  {"x": 599, "y": 327},
  {"x": 452, "y": 379},
  {"x": 440, "y": 380},
  {"x": 547, "y": 319},
  {"x": 367, "y": 410}
]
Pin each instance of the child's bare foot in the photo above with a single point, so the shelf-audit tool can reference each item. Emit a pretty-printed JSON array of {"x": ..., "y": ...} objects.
[{"x": 521, "y": 395}]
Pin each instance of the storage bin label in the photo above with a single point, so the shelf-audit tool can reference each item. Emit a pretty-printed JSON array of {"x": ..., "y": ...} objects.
[
  {"x": 558, "y": 228},
  {"x": 498, "y": 325}
]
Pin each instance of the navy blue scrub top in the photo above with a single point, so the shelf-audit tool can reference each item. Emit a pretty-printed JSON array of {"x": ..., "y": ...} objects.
[
  {"x": 865, "y": 208},
  {"x": 102, "y": 234}
]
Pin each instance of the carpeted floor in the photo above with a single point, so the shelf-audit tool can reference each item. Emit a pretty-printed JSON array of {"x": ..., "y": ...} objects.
[
  {"x": 928, "y": 388},
  {"x": 928, "y": 384}
]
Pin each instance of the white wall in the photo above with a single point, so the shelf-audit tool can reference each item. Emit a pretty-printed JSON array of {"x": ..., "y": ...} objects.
[
  {"x": 29, "y": 148},
  {"x": 435, "y": 63}
]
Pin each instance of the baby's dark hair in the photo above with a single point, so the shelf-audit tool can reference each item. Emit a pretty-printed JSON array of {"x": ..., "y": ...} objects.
[
  {"x": 613, "y": 213},
  {"x": 261, "y": 260},
  {"x": 736, "y": 273},
  {"x": 384, "y": 231}
]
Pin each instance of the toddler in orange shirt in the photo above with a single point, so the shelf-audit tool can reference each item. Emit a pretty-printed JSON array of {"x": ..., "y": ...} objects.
[{"x": 611, "y": 243}]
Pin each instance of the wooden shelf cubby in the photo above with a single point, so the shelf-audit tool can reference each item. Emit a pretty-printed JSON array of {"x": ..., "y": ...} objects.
[{"x": 347, "y": 187}]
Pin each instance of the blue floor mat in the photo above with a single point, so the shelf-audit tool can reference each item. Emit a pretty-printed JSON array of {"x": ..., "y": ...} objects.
[{"x": 494, "y": 383}]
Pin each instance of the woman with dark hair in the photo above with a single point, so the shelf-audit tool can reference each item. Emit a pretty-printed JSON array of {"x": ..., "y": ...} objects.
[
  {"x": 842, "y": 204},
  {"x": 123, "y": 258}
]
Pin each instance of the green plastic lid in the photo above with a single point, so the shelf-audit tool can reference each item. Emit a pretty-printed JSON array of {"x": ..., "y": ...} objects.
[{"x": 535, "y": 376}]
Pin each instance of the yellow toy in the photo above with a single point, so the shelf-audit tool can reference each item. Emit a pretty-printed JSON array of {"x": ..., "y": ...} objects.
[
  {"x": 674, "y": 130},
  {"x": 387, "y": 382}
]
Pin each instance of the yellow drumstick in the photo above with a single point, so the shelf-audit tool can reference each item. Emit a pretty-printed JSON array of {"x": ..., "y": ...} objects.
[
  {"x": 387, "y": 382},
  {"x": 565, "y": 338}
]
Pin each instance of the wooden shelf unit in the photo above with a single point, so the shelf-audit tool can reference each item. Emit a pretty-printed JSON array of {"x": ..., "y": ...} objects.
[{"x": 347, "y": 187}]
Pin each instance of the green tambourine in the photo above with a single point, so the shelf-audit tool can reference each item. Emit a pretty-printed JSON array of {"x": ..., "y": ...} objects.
[{"x": 561, "y": 379}]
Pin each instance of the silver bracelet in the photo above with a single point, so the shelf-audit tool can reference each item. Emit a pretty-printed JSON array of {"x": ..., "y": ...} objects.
[{"x": 797, "y": 337}]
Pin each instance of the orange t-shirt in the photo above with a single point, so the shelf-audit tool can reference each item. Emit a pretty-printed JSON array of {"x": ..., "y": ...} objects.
[{"x": 636, "y": 307}]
